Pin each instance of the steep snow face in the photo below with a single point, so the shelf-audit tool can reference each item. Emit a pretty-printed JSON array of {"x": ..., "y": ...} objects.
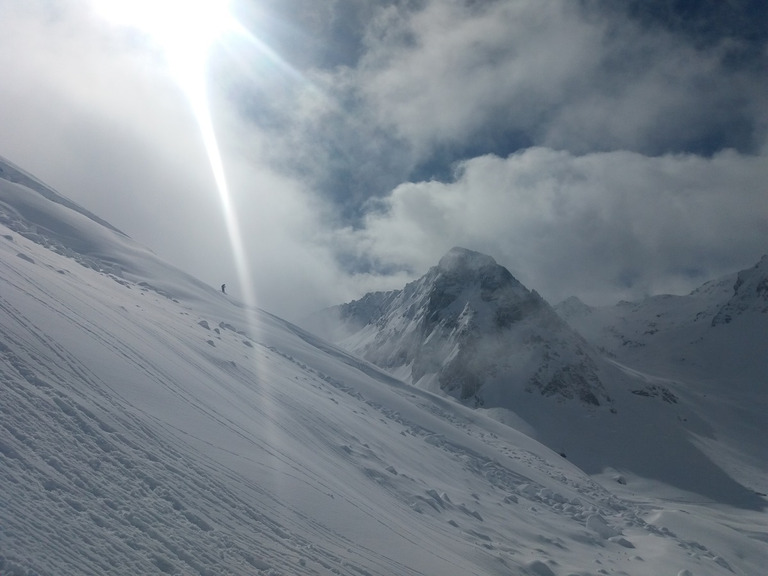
[
  {"x": 13, "y": 174},
  {"x": 750, "y": 294},
  {"x": 471, "y": 329},
  {"x": 31, "y": 209}
]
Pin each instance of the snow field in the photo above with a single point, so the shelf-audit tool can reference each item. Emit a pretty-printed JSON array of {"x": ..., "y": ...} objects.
[{"x": 168, "y": 430}]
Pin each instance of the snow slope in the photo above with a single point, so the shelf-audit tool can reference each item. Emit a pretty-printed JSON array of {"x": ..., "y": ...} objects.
[
  {"x": 150, "y": 425},
  {"x": 707, "y": 350}
]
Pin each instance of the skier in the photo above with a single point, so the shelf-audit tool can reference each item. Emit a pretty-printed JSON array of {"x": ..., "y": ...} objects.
[{"x": 223, "y": 288}]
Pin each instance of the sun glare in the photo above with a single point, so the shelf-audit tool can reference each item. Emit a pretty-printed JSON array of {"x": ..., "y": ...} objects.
[
  {"x": 182, "y": 21},
  {"x": 185, "y": 31}
]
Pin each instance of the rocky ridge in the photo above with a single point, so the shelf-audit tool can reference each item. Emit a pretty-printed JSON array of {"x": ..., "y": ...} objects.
[{"x": 470, "y": 328}]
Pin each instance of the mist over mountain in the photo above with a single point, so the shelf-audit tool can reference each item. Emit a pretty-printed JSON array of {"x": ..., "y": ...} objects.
[
  {"x": 150, "y": 424},
  {"x": 469, "y": 328}
]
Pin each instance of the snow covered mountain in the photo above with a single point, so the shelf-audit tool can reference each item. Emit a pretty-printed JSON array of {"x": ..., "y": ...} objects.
[
  {"x": 151, "y": 425},
  {"x": 469, "y": 328},
  {"x": 707, "y": 350}
]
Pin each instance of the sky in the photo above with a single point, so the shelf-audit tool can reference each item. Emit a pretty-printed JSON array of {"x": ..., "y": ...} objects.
[{"x": 599, "y": 149}]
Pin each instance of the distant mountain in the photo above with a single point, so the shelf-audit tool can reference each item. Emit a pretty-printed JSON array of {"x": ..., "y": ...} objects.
[
  {"x": 471, "y": 329},
  {"x": 678, "y": 331},
  {"x": 707, "y": 350}
]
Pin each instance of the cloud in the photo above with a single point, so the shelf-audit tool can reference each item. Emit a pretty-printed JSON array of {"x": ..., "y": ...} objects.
[
  {"x": 585, "y": 149},
  {"x": 427, "y": 84},
  {"x": 563, "y": 74},
  {"x": 604, "y": 226}
]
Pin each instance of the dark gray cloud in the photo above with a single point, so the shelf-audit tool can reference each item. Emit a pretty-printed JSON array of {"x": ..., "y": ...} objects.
[{"x": 704, "y": 23}]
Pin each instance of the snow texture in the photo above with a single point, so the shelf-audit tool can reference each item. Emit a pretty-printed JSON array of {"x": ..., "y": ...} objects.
[{"x": 151, "y": 425}]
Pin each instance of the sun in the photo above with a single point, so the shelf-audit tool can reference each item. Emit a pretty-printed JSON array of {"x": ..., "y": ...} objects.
[
  {"x": 183, "y": 29},
  {"x": 174, "y": 21}
]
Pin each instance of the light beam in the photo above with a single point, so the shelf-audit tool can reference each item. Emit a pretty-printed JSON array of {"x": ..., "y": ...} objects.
[{"x": 185, "y": 31}]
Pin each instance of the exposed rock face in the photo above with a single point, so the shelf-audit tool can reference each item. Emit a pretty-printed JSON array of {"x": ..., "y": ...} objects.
[
  {"x": 470, "y": 327},
  {"x": 750, "y": 293}
]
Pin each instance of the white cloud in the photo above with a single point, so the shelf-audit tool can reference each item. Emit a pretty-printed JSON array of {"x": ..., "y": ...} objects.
[
  {"x": 603, "y": 226},
  {"x": 439, "y": 74}
]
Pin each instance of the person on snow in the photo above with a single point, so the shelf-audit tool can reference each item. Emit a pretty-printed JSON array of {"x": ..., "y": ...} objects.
[{"x": 223, "y": 288}]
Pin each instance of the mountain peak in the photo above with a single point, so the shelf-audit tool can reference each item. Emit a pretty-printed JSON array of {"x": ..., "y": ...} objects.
[
  {"x": 469, "y": 328},
  {"x": 572, "y": 307},
  {"x": 461, "y": 269},
  {"x": 459, "y": 259}
]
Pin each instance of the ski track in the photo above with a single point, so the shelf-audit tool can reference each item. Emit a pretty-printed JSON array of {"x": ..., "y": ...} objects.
[
  {"x": 115, "y": 485},
  {"x": 70, "y": 490},
  {"x": 152, "y": 479}
]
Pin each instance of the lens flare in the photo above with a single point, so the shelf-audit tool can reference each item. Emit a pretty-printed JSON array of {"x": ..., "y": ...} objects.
[{"x": 185, "y": 31}]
